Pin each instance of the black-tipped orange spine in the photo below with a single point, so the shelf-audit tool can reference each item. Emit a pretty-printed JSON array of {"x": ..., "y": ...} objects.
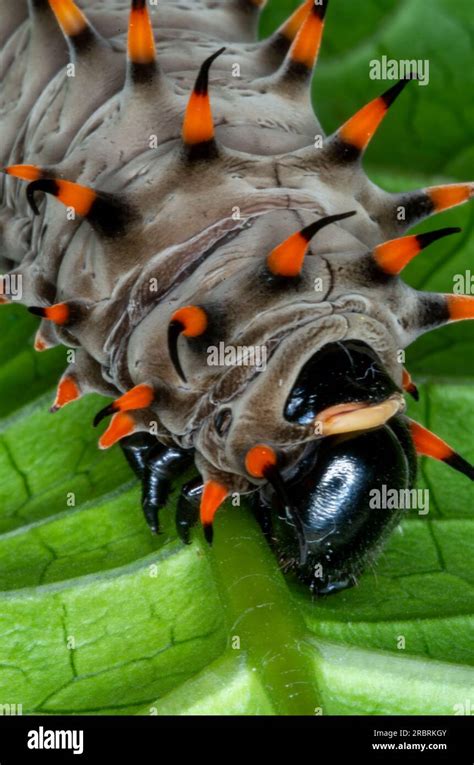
[
  {"x": 428, "y": 237},
  {"x": 109, "y": 216},
  {"x": 81, "y": 39},
  {"x": 63, "y": 314},
  {"x": 292, "y": 263},
  {"x": 310, "y": 231},
  {"x": 175, "y": 328},
  {"x": 391, "y": 95},
  {"x": 342, "y": 151},
  {"x": 207, "y": 148},
  {"x": 302, "y": 70},
  {"x": 430, "y": 445},
  {"x": 48, "y": 185},
  {"x": 391, "y": 257},
  {"x": 460, "y": 464},
  {"x": 103, "y": 413},
  {"x": 142, "y": 72}
]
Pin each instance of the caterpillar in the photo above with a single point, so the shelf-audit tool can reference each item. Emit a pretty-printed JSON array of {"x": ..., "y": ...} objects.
[{"x": 181, "y": 197}]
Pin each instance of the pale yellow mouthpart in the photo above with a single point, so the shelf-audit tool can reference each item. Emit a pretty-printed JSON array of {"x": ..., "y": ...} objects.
[{"x": 345, "y": 418}]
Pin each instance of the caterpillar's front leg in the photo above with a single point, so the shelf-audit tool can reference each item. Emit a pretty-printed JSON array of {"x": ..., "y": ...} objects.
[
  {"x": 162, "y": 465},
  {"x": 187, "y": 512},
  {"x": 136, "y": 448},
  {"x": 156, "y": 465}
]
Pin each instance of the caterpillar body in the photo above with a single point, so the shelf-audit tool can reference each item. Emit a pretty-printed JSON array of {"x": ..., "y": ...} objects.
[{"x": 181, "y": 198}]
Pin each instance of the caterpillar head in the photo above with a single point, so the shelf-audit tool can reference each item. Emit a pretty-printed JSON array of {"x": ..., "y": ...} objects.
[
  {"x": 318, "y": 380},
  {"x": 322, "y": 521},
  {"x": 315, "y": 449},
  {"x": 332, "y": 495}
]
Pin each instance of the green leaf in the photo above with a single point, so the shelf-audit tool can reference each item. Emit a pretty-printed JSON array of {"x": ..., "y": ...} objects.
[
  {"x": 97, "y": 616},
  {"x": 100, "y": 617}
]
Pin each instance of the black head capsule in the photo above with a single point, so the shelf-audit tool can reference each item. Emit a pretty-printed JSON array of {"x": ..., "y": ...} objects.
[
  {"x": 339, "y": 493},
  {"x": 365, "y": 447}
]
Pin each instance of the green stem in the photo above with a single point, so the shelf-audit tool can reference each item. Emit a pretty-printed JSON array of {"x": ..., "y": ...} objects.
[{"x": 261, "y": 616}]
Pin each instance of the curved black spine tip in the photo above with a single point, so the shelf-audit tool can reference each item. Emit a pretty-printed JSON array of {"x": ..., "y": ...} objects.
[
  {"x": 414, "y": 392},
  {"x": 48, "y": 185},
  {"x": 432, "y": 236},
  {"x": 174, "y": 330},
  {"x": 313, "y": 228},
  {"x": 392, "y": 93},
  {"x": 208, "y": 532},
  {"x": 461, "y": 465},
  {"x": 138, "y": 5},
  {"x": 202, "y": 81},
  {"x": 36, "y": 311},
  {"x": 274, "y": 478},
  {"x": 105, "y": 412},
  {"x": 319, "y": 8}
]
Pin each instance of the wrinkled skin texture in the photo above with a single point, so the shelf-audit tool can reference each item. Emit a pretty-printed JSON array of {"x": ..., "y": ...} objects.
[{"x": 99, "y": 129}]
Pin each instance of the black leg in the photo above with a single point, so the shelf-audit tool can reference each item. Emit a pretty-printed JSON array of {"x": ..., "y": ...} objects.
[
  {"x": 136, "y": 448},
  {"x": 283, "y": 503},
  {"x": 262, "y": 511},
  {"x": 187, "y": 513},
  {"x": 161, "y": 465}
]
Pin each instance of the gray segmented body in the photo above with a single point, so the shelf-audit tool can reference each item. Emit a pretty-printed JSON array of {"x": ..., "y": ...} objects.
[{"x": 196, "y": 232}]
